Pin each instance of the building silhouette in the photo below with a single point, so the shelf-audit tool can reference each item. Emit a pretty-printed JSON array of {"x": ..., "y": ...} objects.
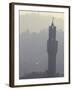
[{"x": 52, "y": 45}]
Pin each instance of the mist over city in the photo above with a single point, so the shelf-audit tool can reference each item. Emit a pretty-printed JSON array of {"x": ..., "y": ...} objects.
[{"x": 33, "y": 54}]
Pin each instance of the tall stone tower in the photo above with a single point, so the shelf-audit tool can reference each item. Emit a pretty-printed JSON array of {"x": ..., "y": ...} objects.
[{"x": 52, "y": 45}]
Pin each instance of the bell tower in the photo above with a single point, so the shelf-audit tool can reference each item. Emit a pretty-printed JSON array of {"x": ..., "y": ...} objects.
[{"x": 52, "y": 45}]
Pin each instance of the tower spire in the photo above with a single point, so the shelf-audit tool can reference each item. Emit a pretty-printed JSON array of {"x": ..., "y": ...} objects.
[{"x": 52, "y": 21}]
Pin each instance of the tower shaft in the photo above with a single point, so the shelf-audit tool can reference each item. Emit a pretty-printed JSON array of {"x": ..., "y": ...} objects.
[{"x": 52, "y": 45}]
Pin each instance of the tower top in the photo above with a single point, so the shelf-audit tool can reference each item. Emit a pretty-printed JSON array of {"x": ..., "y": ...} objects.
[{"x": 52, "y": 22}]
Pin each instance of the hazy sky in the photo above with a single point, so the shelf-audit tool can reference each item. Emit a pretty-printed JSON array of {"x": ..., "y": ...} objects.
[{"x": 35, "y": 21}]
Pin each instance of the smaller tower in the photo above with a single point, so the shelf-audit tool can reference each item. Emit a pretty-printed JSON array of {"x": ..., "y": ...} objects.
[{"x": 52, "y": 45}]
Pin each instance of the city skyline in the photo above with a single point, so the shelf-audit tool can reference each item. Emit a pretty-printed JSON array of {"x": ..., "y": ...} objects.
[{"x": 34, "y": 56}]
